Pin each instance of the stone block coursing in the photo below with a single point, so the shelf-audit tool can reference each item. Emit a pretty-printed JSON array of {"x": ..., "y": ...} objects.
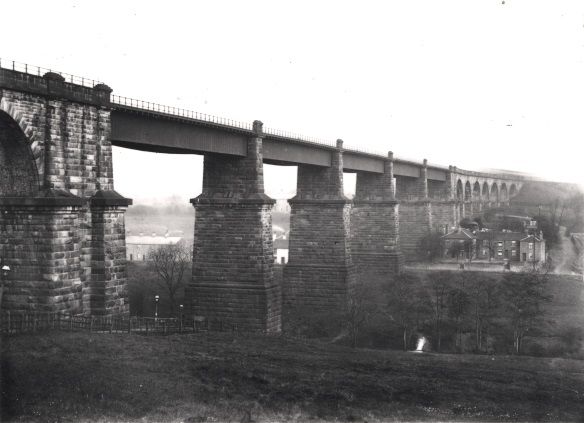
[
  {"x": 320, "y": 272},
  {"x": 233, "y": 266},
  {"x": 41, "y": 245},
  {"x": 233, "y": 253},
  {"x": 55, "y": 155},
  {"x": 415, "y": 222}
]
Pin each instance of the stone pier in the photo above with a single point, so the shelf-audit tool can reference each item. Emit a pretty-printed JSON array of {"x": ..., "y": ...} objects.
[
  {"x": 233, "y": 277},
  {"x": 415, "y": 214},
  {"x": 375, "y": 225},
  {"x": 319, "y": 274}
]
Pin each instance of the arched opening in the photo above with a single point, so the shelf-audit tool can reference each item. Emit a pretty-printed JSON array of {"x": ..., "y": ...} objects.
[
  {"x": 494, "y": 192},
  {"x": 467, "y": 191},
  {"x": 476, "y": 191},
  {"x": 512, "y": 191},
  {"x": 459, "y": 190},
  {"x": 485, "y": 193},
  {"x": 18, "y": 173},
  {"x": 504, "y": 192}
]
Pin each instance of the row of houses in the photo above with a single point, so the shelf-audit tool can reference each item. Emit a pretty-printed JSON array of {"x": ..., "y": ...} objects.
[{"x": 497, "y": 245}]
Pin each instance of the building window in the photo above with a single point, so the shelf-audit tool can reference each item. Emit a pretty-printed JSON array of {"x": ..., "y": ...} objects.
[
  {"x": 531, "y": 245},
  {"x": 513, "y": 242},
  {"x": 499, "y": 244},
  {"x": 499, "y": 253},
  {"x": 513, "y": 252},
  {"x": 131, "y": 257}
]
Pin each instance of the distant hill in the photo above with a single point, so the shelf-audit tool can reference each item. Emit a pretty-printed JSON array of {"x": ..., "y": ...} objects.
[{"x": 541, "y": 192}]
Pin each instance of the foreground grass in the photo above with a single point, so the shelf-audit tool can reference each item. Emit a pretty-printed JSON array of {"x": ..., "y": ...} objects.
[{"x": 226, "y": 377}]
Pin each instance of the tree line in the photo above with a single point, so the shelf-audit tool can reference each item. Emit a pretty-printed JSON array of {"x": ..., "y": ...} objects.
[{"x": 455, "y": 311}]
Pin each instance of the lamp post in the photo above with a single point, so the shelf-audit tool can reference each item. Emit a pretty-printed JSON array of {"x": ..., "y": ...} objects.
[
  {"x": 156, "y": 299},
  {"x": 181, "y": 307},
  {"x": 3, "y": 274}
]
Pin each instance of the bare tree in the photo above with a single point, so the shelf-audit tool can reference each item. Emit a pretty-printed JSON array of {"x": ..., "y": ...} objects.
[
  {"x": 484, "y": 295},
  {"x": 525, "y": 295},
  {"x": 458, "y": 304},
  {"x": 170, "y": 263},
  {"x": 438, "y": 291},
  {"x": 406, "y": 302},
  {"x": 360, "y": 309}
]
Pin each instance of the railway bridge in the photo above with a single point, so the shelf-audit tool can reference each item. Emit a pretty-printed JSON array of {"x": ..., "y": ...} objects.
[{"x": 62, "y": 223}]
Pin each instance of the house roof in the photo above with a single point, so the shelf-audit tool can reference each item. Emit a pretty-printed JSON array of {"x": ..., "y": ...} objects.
[
  {"x": 152, "y": 240},
  {"x": 531, "y": 238},
  {"x": 500, "y": 236},
  {"x": 462, "y": 234},
  {"x": 281, "y": 243}
]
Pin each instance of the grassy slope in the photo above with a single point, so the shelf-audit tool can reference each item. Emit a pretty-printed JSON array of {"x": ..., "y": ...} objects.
[{"x": 220, "y": 377}]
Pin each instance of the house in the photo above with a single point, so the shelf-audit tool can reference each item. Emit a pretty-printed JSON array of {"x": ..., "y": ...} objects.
[
  {"x": 138, "y": 246},
  {"x": 281, "y": 250},
  {"x": 460, "y": 243},
  {"x": 499, "y": 245},
  {"x": 532, "y": 249}
]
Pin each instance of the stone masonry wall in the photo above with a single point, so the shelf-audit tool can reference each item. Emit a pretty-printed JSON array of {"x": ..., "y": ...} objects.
[
  {"x": 444, "y": 215},
  {"x": 105, "y": 292},
  {"x": 375, "y": 225},
  {"x": 415, "y": 222},
  {"x": 63, "y": 132},
  {"x": 41, "y": 245}
]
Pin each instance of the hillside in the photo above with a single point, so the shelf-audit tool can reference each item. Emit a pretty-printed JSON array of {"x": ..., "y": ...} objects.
[
  {"x": 542, "y": 192},
  {"x": 232, "y": 378}
]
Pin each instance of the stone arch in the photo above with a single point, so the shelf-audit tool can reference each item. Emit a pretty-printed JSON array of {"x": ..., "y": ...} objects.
[
  {"x": 459, "y": 190},
  {"x": 467, "y": 191},
  {"x": 19, "y": 176},
  {"x": 504, "y": 192},
  {"x": 512, "y": 191},
  {"x": 476, "y": 191},
  {"x": 485, "y": 192},
  {"x": 494, "y": 192}
]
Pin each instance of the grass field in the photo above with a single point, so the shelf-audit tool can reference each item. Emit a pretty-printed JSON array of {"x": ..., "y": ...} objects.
[{"x": 225, "y": 377}]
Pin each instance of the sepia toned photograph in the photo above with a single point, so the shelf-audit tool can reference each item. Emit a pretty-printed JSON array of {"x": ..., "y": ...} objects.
[{"x": 292, "y": 211}]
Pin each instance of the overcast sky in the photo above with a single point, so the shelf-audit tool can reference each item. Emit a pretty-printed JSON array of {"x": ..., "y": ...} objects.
[{"x": 476, "y": 84}]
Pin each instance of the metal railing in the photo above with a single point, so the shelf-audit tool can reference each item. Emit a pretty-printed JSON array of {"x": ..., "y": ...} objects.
[
  {"x": 40, "y": 71},
  {"x": 176, "y": 111},
  {"x": 30, "y": 322},
  {"x": 217, "y": 120},
  {"x": 298, "y": 137}
]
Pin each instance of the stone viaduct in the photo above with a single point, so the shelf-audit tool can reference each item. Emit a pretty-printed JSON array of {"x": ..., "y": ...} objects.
[{"x": 62, "y": 223}]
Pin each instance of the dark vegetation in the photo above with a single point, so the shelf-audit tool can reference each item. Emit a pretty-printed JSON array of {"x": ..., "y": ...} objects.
[
  {"x": 144, "y": 284},
  {"x": 461, "y": 312},
  {"x": 243, "y": 377}
]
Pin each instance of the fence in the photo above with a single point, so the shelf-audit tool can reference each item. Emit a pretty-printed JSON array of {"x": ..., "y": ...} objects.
[{"x": 28, "y": 322}]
